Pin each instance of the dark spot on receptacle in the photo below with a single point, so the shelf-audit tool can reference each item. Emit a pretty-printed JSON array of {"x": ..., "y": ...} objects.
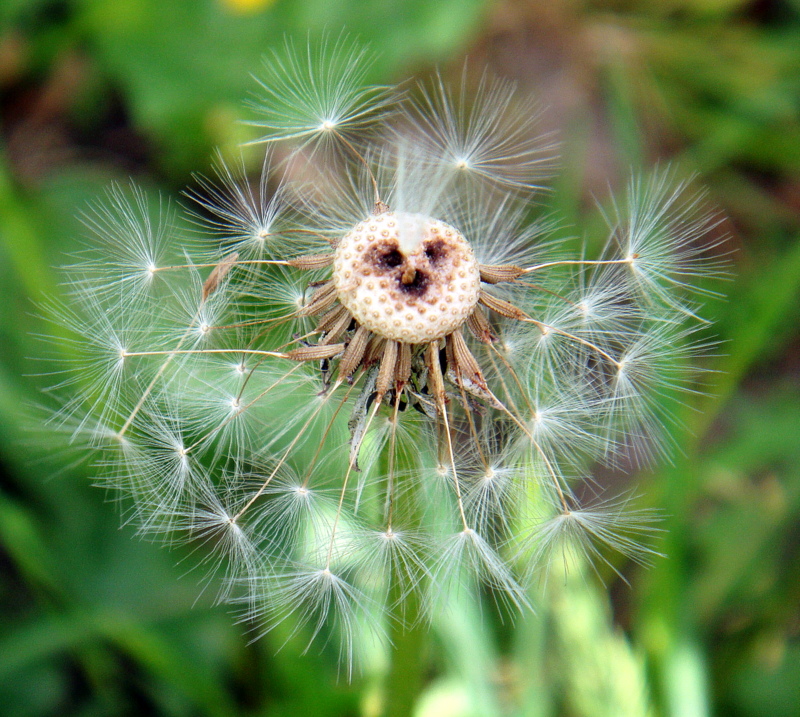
[
  {"x": 384, "y": 256},
  {"x": 418, "y": 285},
  {"x": 388, "y": 261},
  {"x": 436, "y": 250},
  {"x": 392, "y": 259}
]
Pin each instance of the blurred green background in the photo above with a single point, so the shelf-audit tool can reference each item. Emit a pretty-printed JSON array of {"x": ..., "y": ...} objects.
[{"x": 96, "y": 622}]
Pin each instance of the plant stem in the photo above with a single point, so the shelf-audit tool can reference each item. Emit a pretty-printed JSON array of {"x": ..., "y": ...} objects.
[
  {"x": 407, "y": 631},
  {"x": 406, "y": 672}
]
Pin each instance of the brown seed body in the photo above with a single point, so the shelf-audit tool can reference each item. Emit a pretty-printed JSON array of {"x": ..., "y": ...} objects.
[{"x": 406, "y": 277}]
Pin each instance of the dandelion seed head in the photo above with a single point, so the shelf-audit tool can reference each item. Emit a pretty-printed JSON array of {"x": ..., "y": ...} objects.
[{"x": 377, "y": 374}]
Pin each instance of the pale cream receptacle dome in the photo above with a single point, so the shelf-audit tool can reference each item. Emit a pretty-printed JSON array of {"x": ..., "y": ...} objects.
[{"x": 406, "y": 277}]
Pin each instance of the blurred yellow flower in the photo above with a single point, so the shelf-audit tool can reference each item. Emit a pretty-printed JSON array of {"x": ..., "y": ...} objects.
[{"x": 247, "y": 6}]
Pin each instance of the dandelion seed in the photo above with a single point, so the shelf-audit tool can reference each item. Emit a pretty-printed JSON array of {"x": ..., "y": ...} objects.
[
  {"x": 487, "y": 134},
  {"x": 584, "y": 532},
  {"x": 384, "y": 382},
  {"x": 133, "y": 237},
  {"x": 318, "y": 95}
]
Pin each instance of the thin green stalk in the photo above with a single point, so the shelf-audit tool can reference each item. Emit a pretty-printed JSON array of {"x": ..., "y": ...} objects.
[
  {"x": 407, "y": 667},
  {"x": 407, "y": 630}
]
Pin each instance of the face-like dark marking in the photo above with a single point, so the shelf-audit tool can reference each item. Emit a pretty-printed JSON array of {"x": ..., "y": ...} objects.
[{"x": 386, "y": 258}]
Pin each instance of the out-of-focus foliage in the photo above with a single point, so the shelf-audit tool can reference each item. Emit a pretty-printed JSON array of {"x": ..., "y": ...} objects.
[
  {"x": 180, "y": 69},
  {"x": 95, "y": 623}
]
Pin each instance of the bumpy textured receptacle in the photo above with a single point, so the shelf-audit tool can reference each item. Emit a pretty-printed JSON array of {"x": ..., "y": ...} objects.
[{"x": 407, "y": 277}]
